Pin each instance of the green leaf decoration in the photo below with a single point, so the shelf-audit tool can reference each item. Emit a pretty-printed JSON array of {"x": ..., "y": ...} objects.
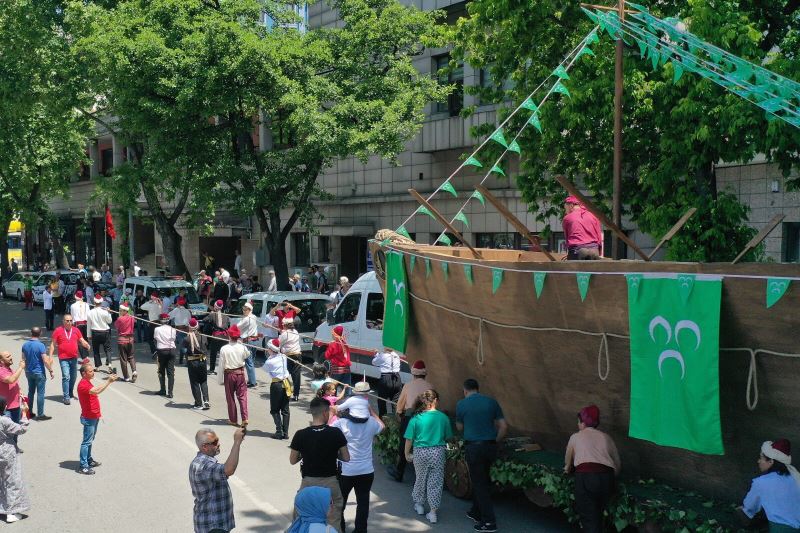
[
  {"x": 411, "y": 264},
  {"x": 462, "y": 217},
  {"x": 535, "y": 122},
  {"x": 473, "y": 161},
  {"x": 497, "y": 279},
  {"x": 479, "y": 196},
  {"x": 583, "y": 283},
  {"x": 449, "y": 188},
  {"x": 427, "y": 268},
  {"x": 538, "y": 282},
  {"x": 776, "y": 288},
  {"x": 561, "y": 72},
  {"x": 468, "y": 273},
  {"x": 677, "y": 71},
  {"x": 559, "y": 88},
  {"x": 445, "y": 269},
  {"x": 403, "y": 231},
  {"x": 529, "y": 104},
  {"x": 497, "y": 170},
  {"x": 514, "y": 147},
  {"x": 444, "y": 239},
  {"x": 425, "y": 211},
  {"x": 498, "y": 138}
]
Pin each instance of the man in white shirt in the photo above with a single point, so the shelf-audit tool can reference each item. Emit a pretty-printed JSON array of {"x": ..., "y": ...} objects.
[
  {"x": 180, "y": 319},
  {"x": 95, "y": 274},
  {"x": 272, "y": 325},
  {"x": 390, "y": 385},
  {"x": 153, "y": 308},
  {"x": 164, "y": 338},
  {"x": 237, "y": 264},
  {"x": 277, "y": 368},
  {"x": 224, "y": 274},
  {"x": 80, "y": 312},
  {"x": 231, "y": 361},
  {"x": 136, "y": 269},
  {"x": 98, "y": 322},
  {"x": 248, "y": 328},
  {"x": 273, "y": 283},
  {"x": 47, "y": 305}
]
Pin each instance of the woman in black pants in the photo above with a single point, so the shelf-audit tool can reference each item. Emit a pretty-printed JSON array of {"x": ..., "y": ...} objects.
[
  {"x": 195, "y": 347},
  {"x": 279, "y": 389}
]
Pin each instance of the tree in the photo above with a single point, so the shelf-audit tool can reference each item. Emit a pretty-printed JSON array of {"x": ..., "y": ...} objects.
[
  {"x": 42, "y": 139},
  {"x": 674, "y": 133}
]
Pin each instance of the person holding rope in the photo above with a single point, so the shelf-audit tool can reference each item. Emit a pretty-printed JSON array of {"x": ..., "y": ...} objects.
[
  {"x": 195, "y": 347},
  {"x": 180, "y": 320},
  {"x": 98, "y": 322},
  {"x": 289, "y": 341},
  {"x": 338, "y": 353},
  {"x": 405, "y": 410},
  {"x": 216, "y": 325},
  {"x": 232, "y": 358},
  {"x": 153, "y": 309},
  {"x": 248, "y": 327},
  {"x": 164, "y": 336},
  {"x": 390, "y": 385},
  {"x": 776, "y": 490},
  {"x": 280, "y": 389},
  {"x": 125, "y": 325},
  {"x": 79, "y": 311}
]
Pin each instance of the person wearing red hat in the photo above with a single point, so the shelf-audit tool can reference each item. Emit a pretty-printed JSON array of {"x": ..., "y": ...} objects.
[
  {"x": 216, "y": 324},
  {"x": 80, "y": 311},
  {"x": 125, "y": 324},
  {"x": 280, "y": 389},
  {"x": 195, "y": 347},
  {"x": 582, "y": 231},
  {"x": 98, "y": 322},
  {"x": 338, "y": 353},
  {"x": 776, "y": 490},
  {"x": 164, "y": 336},
  {"x": 593, "y": 456},
  {"x": 232, "y": 357},
  {"x": 405, "y": 410},
  {"x": 180, "y": 320},
  {"x": 289, "y": 341},
  {"x": 153, "y": 309}
]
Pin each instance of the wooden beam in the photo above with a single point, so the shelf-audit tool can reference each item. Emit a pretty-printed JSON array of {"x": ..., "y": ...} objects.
[
  {"x": 755, "y": 241},
  {"x": 675, "y": 229},
  {"x": 573, "y": 190},
  {"x": 514, "y": 221},
  {"x": 444, "y": 222},
  {"x": 609, "y": 8}
]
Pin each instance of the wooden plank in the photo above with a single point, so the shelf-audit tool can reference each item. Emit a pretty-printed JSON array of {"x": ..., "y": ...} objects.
[
  {"x": 760, "y": 236},
  {"x": 514, "y": 221},
  {"x": 444, "y": 222},
  {"x": 671, "y": 233},
  {"x": 573, "y": 190}
]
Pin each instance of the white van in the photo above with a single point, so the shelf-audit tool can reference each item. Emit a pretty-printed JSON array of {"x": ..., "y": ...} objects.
[
  {"x": 152, "y": 283},
  {"x": 360, "y": 313}
]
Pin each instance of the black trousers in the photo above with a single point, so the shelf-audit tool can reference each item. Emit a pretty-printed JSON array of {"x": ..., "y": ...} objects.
[
  {"x": 214, "y": 347},
  {"x": 198, "y": 380},
  {"x": 59, "y": 305},
  {"x": 362, "y": 485},
  {"x": 48, "y": 320},
  {"x": 166, "y": 367},
  {"x": 480, "y": 456},
  {"x": 279, "y": 407},
  {"x": 592, "y": 492},
  {"x": 294, "y": 370},
  {"x": 150, "y": 340},
  {"x": 401, "y": 451},
  {"x": 83, "y": 352},
  {"x": 101, "y": 338},
  {"x": 389, "y": 388}
]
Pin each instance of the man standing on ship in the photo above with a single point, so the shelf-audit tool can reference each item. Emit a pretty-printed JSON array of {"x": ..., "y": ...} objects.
[{"x": 582, "y": 231}]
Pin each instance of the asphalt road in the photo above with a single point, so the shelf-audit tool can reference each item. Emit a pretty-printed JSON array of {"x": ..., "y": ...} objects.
[{"x": 146, "y": 442}]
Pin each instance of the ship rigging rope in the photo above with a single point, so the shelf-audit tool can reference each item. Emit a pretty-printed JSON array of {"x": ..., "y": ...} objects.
[{"x": 751, "y": 396}]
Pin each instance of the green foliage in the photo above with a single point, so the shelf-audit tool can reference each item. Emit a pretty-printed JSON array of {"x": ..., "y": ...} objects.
[
  {"x": 674, "y": 132},
  {"x": 388, "y": 441}
]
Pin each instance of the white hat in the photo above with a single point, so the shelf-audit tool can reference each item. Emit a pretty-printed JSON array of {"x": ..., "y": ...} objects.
[
  {"x": 248, "y": 305},
  {"x": 124, "y": 307},
  {"x": 287, "y": 321},
  {"x": 344, "y": 279},
  {"x": 98, "y": 300},
  {"x": 361, "y": 387}
]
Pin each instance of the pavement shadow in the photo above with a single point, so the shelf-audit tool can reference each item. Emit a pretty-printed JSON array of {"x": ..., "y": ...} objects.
[
  {"x": 268, "y": 523},
  {"x": 70, "y": 465},
  {"x": 173, "y": 405}
]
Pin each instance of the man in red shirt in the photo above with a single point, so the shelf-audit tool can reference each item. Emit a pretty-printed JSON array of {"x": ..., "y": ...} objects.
[
  {"x": 90, "y": 415},
  {"x": 285, "y": 310},
  {"x": 67, "y": 338},
  {"x": 582, "y": 231}
]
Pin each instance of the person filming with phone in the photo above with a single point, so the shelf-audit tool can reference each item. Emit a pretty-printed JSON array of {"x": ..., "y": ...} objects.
[{"x": 88, "y": 394}]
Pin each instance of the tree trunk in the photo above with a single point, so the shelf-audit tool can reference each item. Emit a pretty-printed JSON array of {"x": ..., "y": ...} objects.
[
  {"x": 59, "y": 255},
  {"x": 277, "y": 252},
  {"x": 171, "y": 242},
  {"x": 4, "y": 267}
]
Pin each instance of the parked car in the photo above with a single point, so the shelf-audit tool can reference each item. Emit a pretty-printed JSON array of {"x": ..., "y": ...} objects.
[
  {"x": 69, "y": 277},
  {"x": 312, "y": 312},
  {"x": 14, "y": 286},
  {"x": 151, "y": 283},
  {"x": 361, "y": 314}
]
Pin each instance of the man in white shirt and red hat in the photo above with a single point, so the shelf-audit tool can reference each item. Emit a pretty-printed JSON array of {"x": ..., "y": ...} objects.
[
  {"x": 248, "y": 328},
  {"x": 776, "y": 490},
  {"x": 79, "y": 311},
  {"x": 232, "y": 358},
  {"x": 180, "y": 321},
  {"x": 217, "y": 324},
  {"x": 164, "y": 337},
  {"x": 98, "y": 322}
]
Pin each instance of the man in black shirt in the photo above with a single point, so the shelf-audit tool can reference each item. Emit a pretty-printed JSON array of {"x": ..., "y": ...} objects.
[{"x": 319, "y": 446}]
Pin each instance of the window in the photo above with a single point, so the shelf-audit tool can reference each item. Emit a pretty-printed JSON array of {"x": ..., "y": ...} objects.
[
  {"x": 790, "y": 244},
  {"x": 14, "y": 241},
  {"x": 507, "y": 241},
  {"x": 300, "y": 24},
  {"x": 324, "y": 249},
  {"x": 348, "y": 309},
  {"x": 312, "y": 313},
  {"x": 454, "y": 12},
  {"x": 106, "y": 161},
  {"x": 375, "y": 310},
  {"x": 450, "y": 76},
  {"x": 16, "y": 277},
  {"x": 453, "y": 240},
  {"x": 302, "y": 253}
]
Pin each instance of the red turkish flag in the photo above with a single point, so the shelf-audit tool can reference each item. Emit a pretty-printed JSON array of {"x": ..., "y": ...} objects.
[{"x": 110, "y": 224}]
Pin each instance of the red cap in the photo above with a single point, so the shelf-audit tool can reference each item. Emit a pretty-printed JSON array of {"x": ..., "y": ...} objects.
[
  {"x": 234, "y": 332},
  {"x": 78, "y": 294},
  {"x": 275, "y": 342},
  {"x": 193, "y": 322},
  {"x": 154, "y": 294},
  {"x": 181, "y": 301},
  {"x": 590, "y": 415},
  {"x": 339, "y": 330},
  {"x": 219, "y": 303},
  {"x": 418, "y": 368},
  {"x": 783, "y": 446},
  {"x": 163, "y": 316},
  {"x": 572, "y": 200}
]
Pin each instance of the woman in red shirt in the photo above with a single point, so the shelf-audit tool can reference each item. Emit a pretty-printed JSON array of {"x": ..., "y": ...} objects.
[{"x": 338, "y": 353}]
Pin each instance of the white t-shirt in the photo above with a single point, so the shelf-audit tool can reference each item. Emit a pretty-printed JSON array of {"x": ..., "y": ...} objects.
[
  {"x": 276, "y": 366},
  {"x": 47, "y": 300},
  {"x": 79, "y": 311},
  {"x": 180, "y": 316},
  {"x": 358, "y": 404},
  {"x": 359, "y": 444},
  {"x": 96, "y": 276}
]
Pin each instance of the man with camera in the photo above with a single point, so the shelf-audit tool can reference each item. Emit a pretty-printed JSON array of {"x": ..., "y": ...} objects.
[{"x": 90, "y": 415}]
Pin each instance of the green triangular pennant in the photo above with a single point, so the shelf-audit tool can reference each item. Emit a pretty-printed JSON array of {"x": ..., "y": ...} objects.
[
  {"x": 411, "y": 264},
  {"x": 592, "y": 38},
  {"x": 497, "y": 170},
  {"x": 425, "y": 211},
  {"x": 654, "y": 56},
  {"x": 534, "y": 121},
  {"x": 497, "y": 279},
  {"x": 776, "y": 288},
  {"x": 559, "y": 88},
  {"x": 583, "y": 283},
  {"x": 585, "y": 51},
  {"x": 473, "y": 161},
  {"x": 462, "y": 217},
  {"x": 445, "y": 269},
  {"x": 528, "y": 104},
  {"x": 685, "y": 285},
  {"x": 634, "y": 282},
  {"x": 514, "y": 147},
  {"x": 479, "y": 196},
  {"x": 427, "y": 268},
  {"x": 449, "y": 188},
  {"x": 444, "y": 239},
  {"x": 677, "y": 71},
  {"x": 642, "y": 47},
  {"x": 403, "y": 231},
  {"x": 538, "y": 282},
  {"x": 498, "y": 138},
  {"x": 468, "y": 273},
  {"x": 591, "y": 15},
  {"x": 561, "y": 72}
]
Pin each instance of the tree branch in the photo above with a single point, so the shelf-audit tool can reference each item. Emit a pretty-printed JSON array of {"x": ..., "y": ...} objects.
[
  {"x": 173, "y": 218},
  {"x": 301, "y": 201},
  {"x": 100, "y": 121}
]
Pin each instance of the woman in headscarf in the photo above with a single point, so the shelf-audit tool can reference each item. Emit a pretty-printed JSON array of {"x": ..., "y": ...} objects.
[
  {"x": 776, "y": 490},
  {"x": 195, "y": 348},
  {"x": 592, "y": 455},
  {"x": 338, "y": 353},
  {"x": 279, "y": 389},
  {"x": 13, "y": 496},
  {"x": 216, "y": 324},
  {"x": 289, "y": 340},
  {"x": 311, "y": 507}
]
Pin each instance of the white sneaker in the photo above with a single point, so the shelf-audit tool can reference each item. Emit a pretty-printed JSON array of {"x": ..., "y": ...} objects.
[
  {"x": 420, "y": 509},
  {"x": 13, "y": 518},
  {"x": 432, "y": 518}
]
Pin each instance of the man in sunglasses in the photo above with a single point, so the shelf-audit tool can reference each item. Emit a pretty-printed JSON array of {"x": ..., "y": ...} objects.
[
  {"x": 67, "y": 338},
  {"x": 213, "y": 503}
]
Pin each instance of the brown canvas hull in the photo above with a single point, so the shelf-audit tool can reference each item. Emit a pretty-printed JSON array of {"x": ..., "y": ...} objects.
[{"x": 543, "y": 377}]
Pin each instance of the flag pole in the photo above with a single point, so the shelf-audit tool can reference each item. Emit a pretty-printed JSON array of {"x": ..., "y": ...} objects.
[
  {"x": 105, "y": 237},
  {"x": 617, "y": 182}
]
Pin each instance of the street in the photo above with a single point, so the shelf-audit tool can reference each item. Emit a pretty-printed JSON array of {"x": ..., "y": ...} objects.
[{"x": 146, "y": 442}]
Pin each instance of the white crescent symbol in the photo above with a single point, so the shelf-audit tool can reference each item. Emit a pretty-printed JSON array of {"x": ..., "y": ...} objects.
[
  {"x": 671, "y": 354},
  {"x": 398, "y": 302},
  {"x": 687, "y": 324},
  {"x": 777, "y": 287},
  {"x": 398, "y": 288},
  {"x": 660, "y": 321}
]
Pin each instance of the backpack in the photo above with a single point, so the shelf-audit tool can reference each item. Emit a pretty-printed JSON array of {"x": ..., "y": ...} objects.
[{"x": 322, "y": 286}]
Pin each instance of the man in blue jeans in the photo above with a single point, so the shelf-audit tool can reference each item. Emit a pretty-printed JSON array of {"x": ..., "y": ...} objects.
[
  {"x": 35, "y": 362},
  {"x": 90, "y": 415},
  {"x": 67, "y": 338}
]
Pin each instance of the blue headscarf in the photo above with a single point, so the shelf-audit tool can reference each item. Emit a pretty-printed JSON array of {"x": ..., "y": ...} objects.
[{"x": 312, "y": 504}]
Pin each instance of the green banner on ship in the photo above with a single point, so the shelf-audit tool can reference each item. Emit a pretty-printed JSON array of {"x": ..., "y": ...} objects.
[
  {"x": 675, "y": 363},
  {"x": 395, "y": 324}
]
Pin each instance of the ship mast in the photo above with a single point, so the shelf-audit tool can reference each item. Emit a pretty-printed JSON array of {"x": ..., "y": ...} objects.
[{"x": 617, "y": 183}]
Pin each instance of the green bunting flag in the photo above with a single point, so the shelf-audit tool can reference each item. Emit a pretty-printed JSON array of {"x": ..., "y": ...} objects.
[
  {"x": 445, "y": 269},
  {"x": 677, "y": 70},
  {"x": 462, "y": 217},
  {"x": 535, "y": 122},
  {"x": 592, "y": 16},
  {"x": 444, "y": 239},
  {"x": 675, "y": 364},
  {"x": 468, "y": 273},
  {"x": 538, "y": 282},
  {"x": 634, "y": 282},
  {"x": 498, "y": 138},
  {"x": 411, "y": 263},
  {"x": 583, "y": 283},
  {"x": 561, "y": 72},
  {"x": 776, "y": 288},
  {"x": 427, "y": 268},
  {"x": 449, "y": 188},
  {"x": 642, "y": 47},
  {"x": 685, "y": 286},
  {"x": 395, "y": 320},
  {"x": 479, "y": 196},
  {"x": 514, "y": 147},
  {"x": 425, "y": 211},
  {"x": 592, "y": 38},
  {"x": 497, "y": 279},
  {"x": 473, "y": 161},
  {"x": 497, "y": 170},
  {"x": 528, "y": 104},
  {"x": 403, "y": 231},
  {"x": 559, "y": 88},
  {"x": 585, "y": 51}
]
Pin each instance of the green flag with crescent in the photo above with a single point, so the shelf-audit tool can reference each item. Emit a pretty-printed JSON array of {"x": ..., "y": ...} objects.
[
  {"x": 675, "y": 361},
  {"x": 395, "y": 324}
]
